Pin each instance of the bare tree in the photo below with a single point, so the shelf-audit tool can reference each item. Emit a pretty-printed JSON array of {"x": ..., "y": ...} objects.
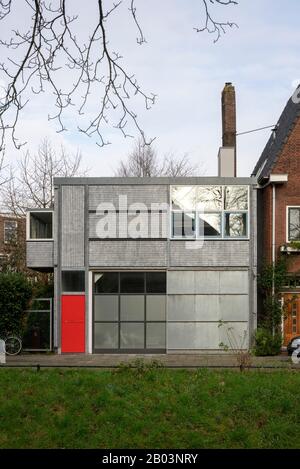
[
  {"x": 33, "y": 56},
  {"x": 3, "y": 176},
  {"x": 143, "y": 161},
  {"x": 174, "y": 167},
  {"x": 31, "y": 184}
]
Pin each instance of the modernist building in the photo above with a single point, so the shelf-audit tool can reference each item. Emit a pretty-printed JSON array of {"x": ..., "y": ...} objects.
[
  {"x": 278, "y": 174},
  {"x": 152, "y": 264}
]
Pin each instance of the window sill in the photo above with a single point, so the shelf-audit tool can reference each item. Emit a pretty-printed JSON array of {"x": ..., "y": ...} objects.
[
  {"x": 286, "y": 249},
  {"x": 39, "y": 239},
  {"x": 211, "y": 239}
]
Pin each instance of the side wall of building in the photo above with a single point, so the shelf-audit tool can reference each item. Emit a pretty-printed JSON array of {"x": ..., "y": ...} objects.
[{"x": 288, "y": 162}]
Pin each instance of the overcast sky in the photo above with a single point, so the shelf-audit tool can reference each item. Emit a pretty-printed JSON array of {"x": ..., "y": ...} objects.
[{"x": 188, "y": 71}]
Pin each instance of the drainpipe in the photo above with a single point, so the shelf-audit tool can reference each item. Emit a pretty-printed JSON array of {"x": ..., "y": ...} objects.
[
  {"x": 273, "y": 180},
  {"x": 273, "y": 234}
]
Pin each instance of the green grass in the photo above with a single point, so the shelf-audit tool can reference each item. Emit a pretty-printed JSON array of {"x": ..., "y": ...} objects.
[{"x": 154, "y": 408}]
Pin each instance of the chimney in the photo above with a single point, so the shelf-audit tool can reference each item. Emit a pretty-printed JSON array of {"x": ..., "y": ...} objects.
[{"x": 227, "y": 153}]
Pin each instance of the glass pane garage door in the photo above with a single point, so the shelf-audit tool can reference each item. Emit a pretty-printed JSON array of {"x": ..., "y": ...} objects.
[{"x": 129, "y": 311}]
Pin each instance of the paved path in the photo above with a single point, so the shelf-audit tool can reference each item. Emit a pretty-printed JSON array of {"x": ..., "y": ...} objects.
[{"x": 170, "y": 360}]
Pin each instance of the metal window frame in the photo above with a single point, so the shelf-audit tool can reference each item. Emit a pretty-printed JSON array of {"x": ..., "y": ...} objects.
[
  {"x": 288, "y": 207},
  {"x": 72, "y": 292},
  {"x": 121, "y": 350},
  {"x": 222, "y": 211},
  {"x": 28, "y": 238},
  {"x": 50, "y": 349}
]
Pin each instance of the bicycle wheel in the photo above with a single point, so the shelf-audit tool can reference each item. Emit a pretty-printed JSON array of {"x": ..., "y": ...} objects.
[{"x": 13, "y": 345}]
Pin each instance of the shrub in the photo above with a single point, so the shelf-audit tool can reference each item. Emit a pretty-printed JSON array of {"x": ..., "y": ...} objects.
[
  {"x": 45, "y": 288},
  {"x": 15, "y": 294},
  {"x": 267, "y": 343}
]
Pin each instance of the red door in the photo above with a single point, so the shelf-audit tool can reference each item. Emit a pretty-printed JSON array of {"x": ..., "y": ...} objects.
[{"x": 73, "y": 323}]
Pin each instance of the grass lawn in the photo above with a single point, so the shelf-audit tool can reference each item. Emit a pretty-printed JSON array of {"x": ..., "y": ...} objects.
[{"x": 156, "y": 408}]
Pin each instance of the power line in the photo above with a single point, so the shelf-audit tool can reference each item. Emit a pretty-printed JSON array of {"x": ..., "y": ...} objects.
[{"x": 257, "y": 130}]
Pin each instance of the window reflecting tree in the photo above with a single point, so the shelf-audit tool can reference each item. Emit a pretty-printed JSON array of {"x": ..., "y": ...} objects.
[
  {"x": 236, "y": 198},
  {"x": 209, "y": 198},
  {"x": 236, "y": 224},
  {"x": 294, "y": 224}
]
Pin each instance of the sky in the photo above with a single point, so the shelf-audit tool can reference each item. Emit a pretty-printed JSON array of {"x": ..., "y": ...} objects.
[{"x": 187, "y": 72}]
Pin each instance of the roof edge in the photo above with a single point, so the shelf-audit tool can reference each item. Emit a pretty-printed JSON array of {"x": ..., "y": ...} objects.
[{"x": 139, "y": 181}]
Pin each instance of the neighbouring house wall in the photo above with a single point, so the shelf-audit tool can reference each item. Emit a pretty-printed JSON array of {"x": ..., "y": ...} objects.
[
  {"x": 266, "y": 240},
  {"x": 19, "y": 247},
  {"x": 288, "y": 162}
]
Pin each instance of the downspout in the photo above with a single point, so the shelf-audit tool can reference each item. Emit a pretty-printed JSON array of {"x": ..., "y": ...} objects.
[
  {"x": 273, "y": 243},
  {"x": 273, "y": 234},
  {"x": 273, "y": 180}
]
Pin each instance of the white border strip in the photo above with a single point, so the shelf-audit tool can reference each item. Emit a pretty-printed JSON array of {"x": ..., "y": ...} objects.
[{"x": 90, "y": 313}]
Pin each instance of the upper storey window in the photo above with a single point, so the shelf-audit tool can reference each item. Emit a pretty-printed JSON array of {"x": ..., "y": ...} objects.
[
  {"x": 40, "y": 225},
  {"x": 209, "y": 212},
  {"x": 10, "y": 231},
  {"x": 293, "y": 224}
]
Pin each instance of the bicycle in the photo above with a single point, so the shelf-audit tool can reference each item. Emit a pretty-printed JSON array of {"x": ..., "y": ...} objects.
[{"x": 13, "y": 344}]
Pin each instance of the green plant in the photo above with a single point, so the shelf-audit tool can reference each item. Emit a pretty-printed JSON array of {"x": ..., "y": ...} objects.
[
  {"x": 237, "y": 345},
  {"x": 272, "y": 277},
  {"x": 15, "y": 294},
  {"x": 294, "y": 244},
  {"x": 268, "y": 337},
  {"x": 44, "y": 288},
  {"x": 271, "y": 281},
  {"x": 267, "y": 342},
  {"x": 140, "y": 365}
]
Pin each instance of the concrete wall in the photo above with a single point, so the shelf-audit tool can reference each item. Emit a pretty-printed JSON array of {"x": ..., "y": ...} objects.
[
  {"x": 72, "y": 226},
  {"x": 128, "y": 253},
  {"x": 199, "y": 300},
  {"x": 146, "y": 194},
  {"x": 145, "y": 225},
  {"x": 39, "y": 254},
  {"x": 212, "y": 253}
]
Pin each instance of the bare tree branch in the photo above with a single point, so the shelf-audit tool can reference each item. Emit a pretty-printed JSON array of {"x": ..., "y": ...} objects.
[
  {"x": 213, "y": 26},
  {"x": 48, "y": 42}
]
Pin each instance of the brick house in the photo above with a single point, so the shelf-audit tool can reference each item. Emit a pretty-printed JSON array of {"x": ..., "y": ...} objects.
[
  {"x": 278, "y": 174},
  {"x": 12, "y": 240}
]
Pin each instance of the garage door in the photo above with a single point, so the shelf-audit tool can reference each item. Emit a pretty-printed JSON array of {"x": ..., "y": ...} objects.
[
  {"x": 129, "y": 312},
  {"x": 207, "y": 309}
]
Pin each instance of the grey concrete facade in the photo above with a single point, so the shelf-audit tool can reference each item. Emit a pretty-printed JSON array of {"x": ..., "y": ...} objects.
[
  {"x": 40, "y": 254},
  {"x": 211, "y": 288}
]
